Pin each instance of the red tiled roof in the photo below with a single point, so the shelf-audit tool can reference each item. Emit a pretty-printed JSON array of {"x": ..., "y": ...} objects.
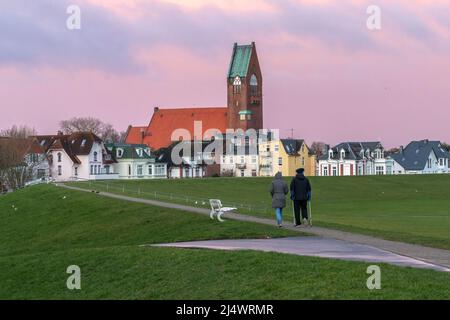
[{"x": 164, "y": 121}]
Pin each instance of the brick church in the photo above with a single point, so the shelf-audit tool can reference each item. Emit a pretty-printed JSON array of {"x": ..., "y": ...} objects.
[{"x": 244, "y": 109}]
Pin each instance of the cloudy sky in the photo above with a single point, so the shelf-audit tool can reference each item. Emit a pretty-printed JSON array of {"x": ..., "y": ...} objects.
[{"x": 325, "y": 74}]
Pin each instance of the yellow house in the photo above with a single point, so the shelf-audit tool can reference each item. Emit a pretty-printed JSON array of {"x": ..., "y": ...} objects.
[{"x": 286, "y": 156}]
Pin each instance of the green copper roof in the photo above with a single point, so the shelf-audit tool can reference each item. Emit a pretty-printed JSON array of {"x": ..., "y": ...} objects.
[
  {"x": 245, "y": 112},
  {"x": 240, "y": 61}
]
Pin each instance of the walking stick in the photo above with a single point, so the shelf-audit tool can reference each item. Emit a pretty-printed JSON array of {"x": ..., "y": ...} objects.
[
  {"x": 293, "y": 213},
  {"x": 310, "y": 214}
]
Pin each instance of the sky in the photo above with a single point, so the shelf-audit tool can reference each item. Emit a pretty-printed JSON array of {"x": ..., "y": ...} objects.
[{"x": 326, "y": 75}]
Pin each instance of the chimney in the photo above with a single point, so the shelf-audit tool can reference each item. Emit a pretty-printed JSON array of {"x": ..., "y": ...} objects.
[
  {"x": 401, "y": 149},
  {"x": 425, "y": 141},
  {"x": 60, "y": 133},
  {"x": 156, "y": 109}
]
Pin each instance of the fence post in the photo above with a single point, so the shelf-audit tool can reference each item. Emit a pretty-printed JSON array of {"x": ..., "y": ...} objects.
[
  {"x": 123, "y": 189},
  {"x": 155, "y": 194},
  {"x": 107, "y": 187},
  {"x": 139, "y": 191}
]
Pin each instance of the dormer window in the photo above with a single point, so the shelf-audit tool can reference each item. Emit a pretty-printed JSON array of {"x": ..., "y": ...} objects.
[
  {"x": 330, "y": 154},
  {"x": 342, "y": 154},
  {"x": 83, "y": 143},
  {"x": 139, "y": 152},
  {"x": 119, "y": 153},
  {"x": 237, "y": 85},
  {"x": 59, "y": 156}
]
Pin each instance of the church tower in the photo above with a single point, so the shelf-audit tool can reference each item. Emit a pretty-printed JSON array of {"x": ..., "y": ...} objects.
[{"x": 244, "y": 82}]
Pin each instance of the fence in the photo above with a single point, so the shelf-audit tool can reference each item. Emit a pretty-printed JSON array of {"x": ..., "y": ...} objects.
[{"x": 173, "y": 197}]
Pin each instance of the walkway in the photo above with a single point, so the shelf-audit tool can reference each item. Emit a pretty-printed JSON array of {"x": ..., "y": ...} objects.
[{"x": 438, "y": 257}]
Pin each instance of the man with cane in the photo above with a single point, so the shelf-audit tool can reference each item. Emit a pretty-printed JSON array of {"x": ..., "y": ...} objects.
[{"x": 300, "y": 194}]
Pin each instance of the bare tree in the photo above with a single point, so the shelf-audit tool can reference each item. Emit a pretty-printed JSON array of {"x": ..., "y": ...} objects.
[
  {"x": 446, "y": 146},
  {"x": 18, "y": 132},
  {"x": 15, "y": 170},
  {"x": 105, "y": 131},
  {"x": 318, "y": 148}
]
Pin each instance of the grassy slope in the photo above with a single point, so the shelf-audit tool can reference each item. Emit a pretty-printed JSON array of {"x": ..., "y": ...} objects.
[
  {"x": 412, "y": 209},
  {"x": 48, "y": 233}
]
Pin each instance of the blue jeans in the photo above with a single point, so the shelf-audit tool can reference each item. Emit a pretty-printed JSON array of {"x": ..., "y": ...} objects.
[{"x": 279, "y": 214}]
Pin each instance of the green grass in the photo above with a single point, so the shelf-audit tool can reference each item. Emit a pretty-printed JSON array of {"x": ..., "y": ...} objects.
[
  {"x": 413, "y": 209},
  {"x": 48, "y": 233}
]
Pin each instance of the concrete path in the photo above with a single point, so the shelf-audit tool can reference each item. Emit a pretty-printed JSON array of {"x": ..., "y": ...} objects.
[
  {"x": 311, "y": 246},
  {"x": 438, "y": 257}
]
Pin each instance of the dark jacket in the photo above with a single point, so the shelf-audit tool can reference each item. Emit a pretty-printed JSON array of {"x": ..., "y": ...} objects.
[
  {"x": 300, "y": 187},
  {"x": 278, "y": 190}
]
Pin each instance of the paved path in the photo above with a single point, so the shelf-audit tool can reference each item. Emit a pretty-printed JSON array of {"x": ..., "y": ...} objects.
[
  {"x": 439, "y": 257},
  {"x": 311, "y": 246}
]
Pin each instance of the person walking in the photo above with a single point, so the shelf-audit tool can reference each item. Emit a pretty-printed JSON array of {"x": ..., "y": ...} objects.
[
  {"x": 300, "y": 194},
  {"x": 278, "y": 190}
]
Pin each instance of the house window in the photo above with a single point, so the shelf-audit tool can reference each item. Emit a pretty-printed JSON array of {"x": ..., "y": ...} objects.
[
  {"x": 150, "y": 170},
  {"x": 59, "y": 156},
  {"x": 242, "y": 159},
  {"x": 253, "y": 173},
  {"x": 441, "y": 162},
  {"x": 237, "y": 85},
  {"x": 76, "y": 171},
  {"x": 303, "y": 161},
  {"x": 186, "y": 172},
  {"x": 325, "y": 171},
  {"x": 129, "y": 170},
  {"x": 379, "y": 170},
  {"x": 242, "y": 173},
  {"x": 92, "y": 169},
  {"x": 242, "y": 117},
  {"x": 253, "y": 159},
  {"x": 59, "y": 170},
  {"x": 139, "y": 170},
  {"x": 280, "y": 161},
  {"x": 119, "y": 153},
  {"x": 107, "y": 169},
  {"x": 429, "y": 163},
  {"x": 276, "y": 147},
  {"x": 95, "y": 156},
  {"x": 159, "y": 170},
  {"x": 334, "y": 171},
  {"x": 197, "y": 171},
  {"x": 231, "y": 160}
]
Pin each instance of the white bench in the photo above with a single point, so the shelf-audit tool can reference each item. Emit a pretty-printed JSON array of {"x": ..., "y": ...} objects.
[{"x": 217, "y": 209}]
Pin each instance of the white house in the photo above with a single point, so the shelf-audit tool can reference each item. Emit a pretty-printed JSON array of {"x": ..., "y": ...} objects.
[
  {"x": 78, "y": 156},
  {"x": 135, "y": 161},
  {"x": 239, "y": 161},
  {"x": 190, "y": 159},
  {"x": 355, "y": 158},
  {"x": 421, "y": 157}
]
